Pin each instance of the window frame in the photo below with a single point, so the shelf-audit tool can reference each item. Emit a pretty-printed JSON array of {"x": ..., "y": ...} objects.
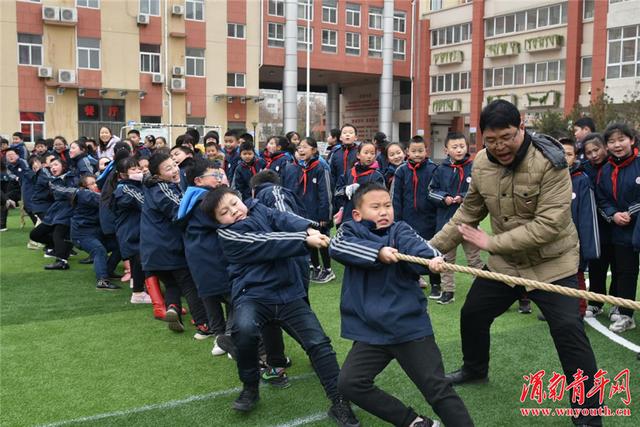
[
  {"x": 435, "y": 5},
  {"x": 32, "y": 124},
  {"x": 353, "y": 13},
  {"x": 584, "y": 10},
  {"x": 375, "y": 51},
  {"x": 30, "y": 46},
  {"x": 307, "y": 6},
  {"x": 531, "y": 20},
  {"x": 440, "y": 80},
  {"x": 196, "y": 60},
  {"x": 375, "y": 13},
  {"x": 277, "y": 4},
  {"x": 305, "y": 40},
  {"x": 149, "y": 3},
  {"x": 400, "y": 17},
  {"x": 397, "y": 54},
  {"x": 86, "y": 5},
  {"x": 192, "y": 4},
  {"x": 329, "y": 46},
  {"x": 330, "y": 10},
  {"x": 151, "y": 55},
  {"x": 235, "y": 26},
  {"x": 531, "y": 69},
  {"x": 354, "y": 36},
  {"x": 276, "y": 25},
  {"x": 436, "y": 33},
  {"x": 88, "y": 50},
  {"x": 621, "y": 40},
  {"x": 582, "y": 61},
  {"x": 235, "y": 80}
]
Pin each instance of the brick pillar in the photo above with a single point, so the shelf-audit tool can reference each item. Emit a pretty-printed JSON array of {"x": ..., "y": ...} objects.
[
  {"x": 457, "y": 124},
  {"x": 421, "y": 83},
  {"x": 574, "y": 42},
  {"x": 477, "y": 73},
  {"x": 599, "y": 58}
]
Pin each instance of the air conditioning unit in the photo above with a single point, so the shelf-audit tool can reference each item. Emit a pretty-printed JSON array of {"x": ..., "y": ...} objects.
[
  {"x": 157, "y": 78},
  {"x": 68, "y": 14},
  {"x": 50, "y": 13},
  {"x": 67, "y": 76},
  {"x": 45, "y": 72},
  {"x": 178, "y": 84},
  {"x": 143, "y": 19},
  {"x": 178, "y": 71},
  {"x": 177, "y": 9}
]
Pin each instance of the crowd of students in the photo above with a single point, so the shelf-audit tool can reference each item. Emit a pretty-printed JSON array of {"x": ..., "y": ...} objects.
[{"x": 237, "y": 231}]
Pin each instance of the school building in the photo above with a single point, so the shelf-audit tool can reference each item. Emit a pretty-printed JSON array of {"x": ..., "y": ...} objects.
[{"x": 407, "y": 67}]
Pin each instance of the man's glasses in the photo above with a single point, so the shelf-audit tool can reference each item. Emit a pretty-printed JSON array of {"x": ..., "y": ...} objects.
[{"x": 504, "y": 140}]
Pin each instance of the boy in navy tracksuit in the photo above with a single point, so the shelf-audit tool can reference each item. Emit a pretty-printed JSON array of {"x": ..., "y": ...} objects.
[
  {"x": 247, "y": 168},
  {"x": 618, "y": 198},
  {"x": 17, "y": 144},
  {"x": 231, "y": 152},
  {"x": 266, "y": 286},
  {"x": 343, "y": 158},
  {"x": 204, "y": 256},
  {"x": 449, "y": 185},
  {"x": 410, "y": 195},
  {"x": 384, "y": 312}
]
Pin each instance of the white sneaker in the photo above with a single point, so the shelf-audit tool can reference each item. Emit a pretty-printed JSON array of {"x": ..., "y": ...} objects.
[
  {"x": 593, "y": 311},
  {"x": 34, "y": 245},
  {"x": 140, "y": 298},
  {"x": 624, "y": 323},
  {"x": 614, "y": 314},
  {"x": 217, "y": 351}
]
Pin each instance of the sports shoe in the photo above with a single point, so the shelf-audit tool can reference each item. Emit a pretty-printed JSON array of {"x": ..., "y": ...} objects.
[
  {"x": 326, "y": 275},
  {"x": 203, "y": 332},
  {"x": 34, "y": 245},
  {"x": 446, "y": 298},
  {"x": 73, "y": 253},
  {"x": 314, "y": 273},
  {"x": 614, "y": 314},
  {"x": 225, "y": 343},
  {"x": 436, "y": 292},
  {"x": 88, "y": 260},
  {"x": 342, "y": 414},
  {"x": 3, "y": 229},
  {"x": 114, "y": 276},
  {"x": 49, "y": 253},
  {"x": 106, "y": 285},
  {"x": 427, "y": 422},
  {"x": 60, "y": 264},
  {"x": 217, "y": 350},
  {"x": 624, "y": 323},
  {"x": 172, "y": 317},
  {"x": 524, "y": 307},
  {"x": 276, "y": 377},
  {"x": 140, "y": 298},
  {"x": 593, "y": 311},
  {"x": 248, "y": 398}
]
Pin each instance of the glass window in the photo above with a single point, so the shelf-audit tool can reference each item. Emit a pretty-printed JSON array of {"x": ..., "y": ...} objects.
[
  {"x": 532, "y": 19},
  {"x": 235, "y": 31},
  {"x": 329, "y": 41},
  {"x": 32, "y": 126},
  {"x": 464, "y": 80},
  {"x": 489, "y": 26},
  {"x": 194, "y": 59},
  {"x": 518, "y": 74},
  {"x": 543, "y": 17},
  {"x": 588, "y": 7},
  {"x": 235, "y": 80},
  {"x": 553, "y": 70},
  {"x": 194, "y": 10},
  {"x": 554, "y": 15},
  {"x": 375, "y": 46},
  {"x": 353, "y": 14},
  {"x": 497, "y": 77},
  {"x": 375, "y": 18},
  {"x": 305, "y": 10},
  {"x": 330, "y": 11},
  {"x": 499, "y": 25},
  {"x": 530, "y": 73},
  {"x": 149, "y": 58},
  {"x": 488, "y": 78},
  {"x": 521, "y": 21},
  {"x": 399, "y": 49},
  {"x": 89, "y": 53},
  {"x": 541, "y": 72},
  {"x": 29, "y": 49},
  {"x": 276, "y": 7},
  {"x": 399, "y": 22},
  {"x": 150, "y": 7},
  {"x": 92, "y": 4},
  {"x": 585, "y": 67},
  {"x": 509, "y": 23},
  {"x": 508, "y": 76},
  {"x": 435, "y": 5},
  {"x": 304, "y": 38},
  {"x": 275, "y": 36},
  {"x": 352, "y": 43}
]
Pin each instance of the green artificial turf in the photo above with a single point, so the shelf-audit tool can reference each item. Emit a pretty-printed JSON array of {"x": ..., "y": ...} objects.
[{"x": 68, "y": 351}]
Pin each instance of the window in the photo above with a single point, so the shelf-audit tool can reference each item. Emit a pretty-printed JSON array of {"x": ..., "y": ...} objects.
[
  {"x": 276, "y": 7},
  {"x": 194, "y": 10},
  {"x": 150, "y": 7},
  {"x": 541, "y": 72},
  {"x": 330, "y": 11},
  {"x": 32, "y": 126},
  {"x": 450, "y": 35},
  {"x": 305, "y": 10},
  {"x": 353, "y": 14},
  {"x": 304, "y": 38},
  {"x": 88, "y": 53},
  {"x": 528, "y": 20},
  {"x": 235, "y": 31},
  {"x": 275, "y": 38},
  {"x": 450, "y": 82},
  {"x": 623, "y": 57},
  {"x": 352, "y": 43},
  {"x": 585, "y": 67},
  {"x": 588, "y": 9},
  {"x": 194, "y": 59},
  {"x": 399, "y": 49},
  {"x": 29, "y": 49},
  {"x": 375, "y": 46},
  {"x": 329, "y": 41},
  {"x": 375, "y": 18},
  {"x": 435, "y": 5},
  {"x": 149, "y": 58},
  {"x": 92, "y": 4},
  {"x": 235, "y": 80},
  {"x": 399, "y": 22}
]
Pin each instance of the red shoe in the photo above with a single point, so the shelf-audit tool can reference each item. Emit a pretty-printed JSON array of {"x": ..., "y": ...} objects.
[{"x": 157, "y": 299}]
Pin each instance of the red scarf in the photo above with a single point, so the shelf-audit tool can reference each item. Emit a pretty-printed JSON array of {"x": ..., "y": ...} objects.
[
  {"x": 414, "y": 169},
  {"x": 460, "y": 168},
  {"x": 346, "y": 150},
  {"x": 270, "y": 158},
  {"x": 251, "y": 166},
  {"x": 355, "y": 175},
  {"x": 616, "y": 168},
  {"x": 303, "y": 178}
]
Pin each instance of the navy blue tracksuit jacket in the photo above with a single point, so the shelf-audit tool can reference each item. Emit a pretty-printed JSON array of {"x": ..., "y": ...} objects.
[
  {"x": 312, "y": 184},
  {"x": 381, "y": 304},
  {"x": 585, "y": 215},
  {"x": 410, "y": 195},
  {"x": 358, "y": 175},
  {"x": 449, "y": 179},
  {"x": 126, "y": 205},
  {"x": 277, "y": 161},
  {"x": 26, "y": 177},
  {"x": 41, "y": 198},
  {"x": 231, "y": 160},
  {"x": 243, "y": 174},
  {"x": 63, "y": 188},
  {"x": 85, "y": 221},
  {"x": 341, "y": 162}
]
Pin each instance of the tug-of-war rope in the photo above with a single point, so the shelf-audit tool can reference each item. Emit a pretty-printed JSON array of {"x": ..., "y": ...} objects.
[{"x": 576, "y": 293}]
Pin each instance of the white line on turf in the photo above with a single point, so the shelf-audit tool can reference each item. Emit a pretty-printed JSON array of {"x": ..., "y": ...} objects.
[
  {"x": 165, "y": 405},
  {"x": 304, "y": 420},
  {"x": 593, "y": 322}
]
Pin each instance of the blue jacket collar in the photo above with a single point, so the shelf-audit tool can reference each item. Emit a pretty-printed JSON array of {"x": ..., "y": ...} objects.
[{"x": 190, "y": 200}]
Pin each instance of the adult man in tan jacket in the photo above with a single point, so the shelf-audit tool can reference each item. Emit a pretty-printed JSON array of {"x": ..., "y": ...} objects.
[{"x": 522, "y": 182}]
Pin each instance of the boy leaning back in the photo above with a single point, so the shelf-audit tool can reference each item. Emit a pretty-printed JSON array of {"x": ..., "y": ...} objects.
[{"x": 384, "y": 312}]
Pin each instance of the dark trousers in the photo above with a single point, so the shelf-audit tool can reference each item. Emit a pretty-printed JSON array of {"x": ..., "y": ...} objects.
[
  {"x": 421, "y": 361},
  {"x": 4, "y": 213},
  {"x": 488, "y": 299},
  {"x": 215, "y": 314},
  {"x": 598, "y": 273},
  {"x": 179, "y": 283},
  {"x": 53, "y": 236},
  {"x": 136, "y": 273},
  {"x": 626, "y": 273},
  {"x": 98, "y": 249},
  {"x": 315, "y": 254},
  {"x": 299, "y": 321}
]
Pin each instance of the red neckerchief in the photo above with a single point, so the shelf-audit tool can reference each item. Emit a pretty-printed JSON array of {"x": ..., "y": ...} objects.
[
  {"x": 303, "y": 178},
  {"x": 616, "y": 168},
  {"x": 460, "y": 168},
  {"x": 62, "y": 156},
  {"x": 356, "y": 175},
  {"x": 414, "y": 169},
  {"x": 270, "y": 158},
  {"x": 251, "y": 166},
  {"x": 346, "y": 150}
]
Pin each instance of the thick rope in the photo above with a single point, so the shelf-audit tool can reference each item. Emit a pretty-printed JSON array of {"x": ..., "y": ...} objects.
[{"x": 499, "y": 277}]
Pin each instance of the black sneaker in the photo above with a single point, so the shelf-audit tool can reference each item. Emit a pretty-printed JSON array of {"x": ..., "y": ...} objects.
[
  {"x": 436, "y": 292},
  {"x": 105, "y": 285},
  {"x": 342, "y": 414},
  {"x": 73, "y": 253},
  {"x": 314, "y": 274},
  {"x": 203, "y": 332},
  {"x": 60, "y": 264},
  {"x": 248, "y": 399},
  {"x": 446, "y": 298},
  {"x": 524, "y": 307},
  {"x": 88, "y": 260},
  {"x": 427, "y": 422},
  {"x": 326, "y": 275},
  {"x": 49, "y": 253},
  {"x": 276, "y": 377},
  {"x": 172, "y": 317}
]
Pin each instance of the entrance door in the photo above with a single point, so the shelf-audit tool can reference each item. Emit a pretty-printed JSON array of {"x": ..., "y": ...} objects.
[{"x": 98, "y": 112}]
